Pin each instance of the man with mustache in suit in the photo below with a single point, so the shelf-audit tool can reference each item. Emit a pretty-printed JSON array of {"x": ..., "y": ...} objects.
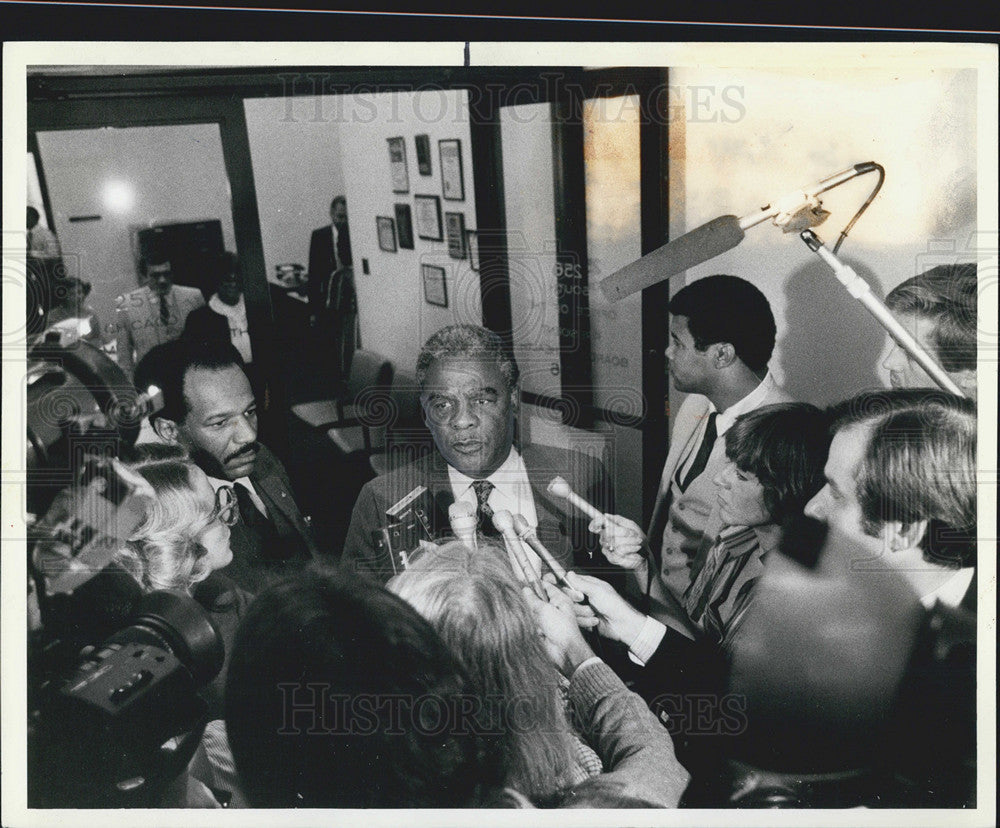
[{"x": 209, "y": 408}]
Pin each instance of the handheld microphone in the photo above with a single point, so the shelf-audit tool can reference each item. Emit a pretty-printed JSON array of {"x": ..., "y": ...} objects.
[
  {"x": 560, "y": 488},
  {"x": 462, "y": 517},
  {"x": 505, "y": 526},
  {"x": 793, "y": 213},
  {"x": 530, "y": 537}
]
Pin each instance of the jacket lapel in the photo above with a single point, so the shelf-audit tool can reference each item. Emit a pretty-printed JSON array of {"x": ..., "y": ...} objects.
[{"x": 441, "y": 496}]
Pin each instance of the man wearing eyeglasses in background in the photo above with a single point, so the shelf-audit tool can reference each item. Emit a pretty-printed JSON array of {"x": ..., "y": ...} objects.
[{"x": 209, "y": 408}]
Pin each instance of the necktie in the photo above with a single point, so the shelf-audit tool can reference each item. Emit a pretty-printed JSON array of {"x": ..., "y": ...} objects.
[
  {"x": 164, "y": 309},
  {"x": 266, "y": 535},
  {"x": 704, "y": 450},
  {"x": 484, "y": 521}
]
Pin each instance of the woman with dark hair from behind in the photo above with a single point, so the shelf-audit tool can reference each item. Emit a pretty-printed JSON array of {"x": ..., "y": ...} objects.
[
  {"x": 340, "y": 695},
  {"x": 475, "y": 602}
]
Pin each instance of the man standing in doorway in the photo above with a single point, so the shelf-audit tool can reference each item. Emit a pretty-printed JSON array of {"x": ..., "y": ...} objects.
[
  {"x": 332, "y": 303},
  {"x": 153, "y": 314}
]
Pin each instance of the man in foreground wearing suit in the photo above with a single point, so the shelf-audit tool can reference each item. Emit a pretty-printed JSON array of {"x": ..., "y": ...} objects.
[
  {"x": 209, "y": 407},
  {"x": 152, "y": 314},
  {"x": 469, "y": 395}
]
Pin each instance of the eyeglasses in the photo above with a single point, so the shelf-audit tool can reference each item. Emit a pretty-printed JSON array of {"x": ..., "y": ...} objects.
[{"x": 227, "y": 507}]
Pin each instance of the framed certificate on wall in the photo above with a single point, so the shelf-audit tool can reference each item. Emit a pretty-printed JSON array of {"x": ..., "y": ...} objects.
[
  {"x": 404, "y": 226},
  {"x": 386, "y": 234},
  {"x": 452, "y": 185},
  {"x": 428, "y": 218},
  {"x": 397, "y": 165},
  {"x": 423, "y": 145},
  {"x": 454, "y": 224},
  {"x": 472, "y": 246},
  {"x": 435, "y": 287}
]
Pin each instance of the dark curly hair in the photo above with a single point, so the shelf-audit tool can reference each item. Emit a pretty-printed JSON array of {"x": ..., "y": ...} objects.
[{"x": 785, "y": 447}]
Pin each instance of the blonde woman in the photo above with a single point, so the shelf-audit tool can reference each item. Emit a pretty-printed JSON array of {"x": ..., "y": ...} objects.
[
  {"x": 477, "y": 606},
  {"x": 184, "y": 541}
]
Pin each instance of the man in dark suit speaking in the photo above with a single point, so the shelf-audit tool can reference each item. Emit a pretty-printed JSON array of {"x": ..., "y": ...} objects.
[{"x": 469, "y": 395}]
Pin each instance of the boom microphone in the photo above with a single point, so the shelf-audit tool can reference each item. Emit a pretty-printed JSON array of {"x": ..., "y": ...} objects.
[
  {"x": 793, "y": 213},
  {"x": 693, "y": 248}
]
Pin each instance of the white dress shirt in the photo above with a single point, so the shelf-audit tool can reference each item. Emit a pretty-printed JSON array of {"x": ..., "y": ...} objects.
[
  {"x": 236, "y": 316},
  {"x": 511, "y": 492},
  {"x": 724, "y": 420},
  {"x": 218, "y": 483}
]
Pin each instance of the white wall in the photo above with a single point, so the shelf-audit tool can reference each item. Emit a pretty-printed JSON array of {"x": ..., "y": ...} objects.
[
  {"x": 393, "y": 316},
  {"x": 295, "y": 151},
  {"x": 157, "y": 175},
  {"x": 526, "y": 144},
  {"x": 757, "y": 135}
]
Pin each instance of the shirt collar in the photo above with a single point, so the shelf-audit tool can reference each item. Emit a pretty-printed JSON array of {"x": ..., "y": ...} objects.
[
  {"x": 750, "y": 402},
  {"x": 511, "y": 469},
  {"x": 952, "y": 591},
  {"x": 237, "y": 311}
]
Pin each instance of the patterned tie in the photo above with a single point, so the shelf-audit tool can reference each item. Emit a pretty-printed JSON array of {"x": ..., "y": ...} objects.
[
  {"x": 164, "y": 309},
  {"x": 484, "y": 520},
  {"x": 704, "y": 450}
]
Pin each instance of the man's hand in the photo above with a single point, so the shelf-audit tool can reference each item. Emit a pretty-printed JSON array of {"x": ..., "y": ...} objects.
[
  {"x": 621, "y": 540},
  {"x": 614, "y": 617},
  {"x": 557, "y": 624}
]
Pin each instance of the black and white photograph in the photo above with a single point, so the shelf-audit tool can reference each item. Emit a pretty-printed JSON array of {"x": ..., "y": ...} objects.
[
  {"x": 404, "y": 226},
  {"x": 679, "y": 497},
  {"x": 422, "y": 143},
  {"x": 452, "y": 183},
  {"x": 435, "y": 285},
  {"x": 472, "y": 246},
  {"x": 398, "y": 172},
  {"x": 428, "y": 217},
  {"x": 455, "y": 232},
  {"x": 386, "y": 228}
]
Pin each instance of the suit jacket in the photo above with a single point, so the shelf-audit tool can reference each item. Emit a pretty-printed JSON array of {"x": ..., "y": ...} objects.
[
  {"x": 676, "y": 572},
  {"x": 323, "y": 262},
  {"x": 254, "y": 565},
  {"x": 561, "y": 528},
  {"x": 140, "y": 327}
]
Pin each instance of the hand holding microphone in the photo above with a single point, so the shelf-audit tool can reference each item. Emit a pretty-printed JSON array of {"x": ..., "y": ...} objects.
[
  {"x": 560, "y": 631},
  {"x": 614, "y": 617},
  {"x": 622, "y": 540}
]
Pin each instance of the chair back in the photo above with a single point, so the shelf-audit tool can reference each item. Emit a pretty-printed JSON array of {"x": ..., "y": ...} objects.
[{"x": 406, "y": 437}]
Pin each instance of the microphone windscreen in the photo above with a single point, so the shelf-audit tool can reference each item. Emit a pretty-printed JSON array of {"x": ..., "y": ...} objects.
[{"x": 700, "y": 245}]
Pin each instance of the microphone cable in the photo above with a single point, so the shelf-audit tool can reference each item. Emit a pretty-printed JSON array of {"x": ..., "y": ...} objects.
[{"x": 868, "y": 201}]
